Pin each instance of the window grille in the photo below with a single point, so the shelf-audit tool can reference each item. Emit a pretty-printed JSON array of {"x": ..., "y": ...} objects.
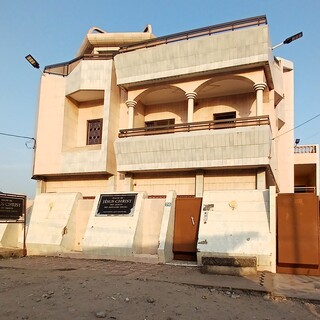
[{"x": 94, "y": 131}]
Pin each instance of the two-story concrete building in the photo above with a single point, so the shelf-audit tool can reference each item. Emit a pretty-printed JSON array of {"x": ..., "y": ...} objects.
[{"x": 160, "y": 148}]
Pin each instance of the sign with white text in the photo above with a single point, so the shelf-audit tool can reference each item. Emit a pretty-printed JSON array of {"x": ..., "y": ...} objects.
[
  {"x": 11, "y": 206},
  {"x": 116, "y": 204}
]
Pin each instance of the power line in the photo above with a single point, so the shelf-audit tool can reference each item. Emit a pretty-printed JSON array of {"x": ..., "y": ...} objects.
[
  {"x": 22, "y": 137},
  {"x": 318, "y": 115},
  {"x": 313, "y": 135}
]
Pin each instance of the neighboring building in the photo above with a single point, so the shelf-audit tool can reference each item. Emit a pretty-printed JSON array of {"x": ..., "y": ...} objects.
[
  {"x": 189, "y": 125},
  {"x": 306, "y": 169}
]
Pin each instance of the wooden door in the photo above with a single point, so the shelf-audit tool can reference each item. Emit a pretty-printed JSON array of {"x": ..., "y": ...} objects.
[{"x": 186, "y": 226}]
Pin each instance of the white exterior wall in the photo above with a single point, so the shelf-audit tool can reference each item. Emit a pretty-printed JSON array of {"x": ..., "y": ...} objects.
[
  {"x": 221, "y": 51},
  {"x": 239, "y": 224},
  {"x": 285, "y": 142},
  {"x": 165, "y": 250},
  {"x": 112, "y": 236},
  {"x": 49, "y": 229},
  {"x": 199, "y": 149},
  {"x": 149, "y": 224}
]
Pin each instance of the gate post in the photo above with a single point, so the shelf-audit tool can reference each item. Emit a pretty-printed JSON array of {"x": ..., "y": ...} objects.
[{"x": 273, "y": 228}]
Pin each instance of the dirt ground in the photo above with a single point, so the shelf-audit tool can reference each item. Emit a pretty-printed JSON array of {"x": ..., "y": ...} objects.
[{"x": 46, "y": 288}]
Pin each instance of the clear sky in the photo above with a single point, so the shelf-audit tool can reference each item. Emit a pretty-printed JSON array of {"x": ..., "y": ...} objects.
[{"x": 52, "y": 31}]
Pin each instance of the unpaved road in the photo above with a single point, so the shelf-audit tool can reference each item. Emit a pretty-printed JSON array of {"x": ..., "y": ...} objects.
[{"x": 48, "y": 288}]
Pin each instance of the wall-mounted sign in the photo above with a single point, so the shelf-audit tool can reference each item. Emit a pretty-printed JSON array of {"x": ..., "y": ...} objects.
[
  {"x": 11, "y": 206},
  {"x": 116, "y": 204}
]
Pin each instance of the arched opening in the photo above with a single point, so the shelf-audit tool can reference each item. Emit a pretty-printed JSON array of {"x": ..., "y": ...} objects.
[
  {"x": 160, "y": 106},
  {"x": 229, "y": 96}
]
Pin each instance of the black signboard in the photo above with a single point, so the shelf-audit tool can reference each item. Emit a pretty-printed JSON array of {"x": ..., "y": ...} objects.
[
  {"x": 116, "y": 204},
  {"x": 11, "y": 206}
]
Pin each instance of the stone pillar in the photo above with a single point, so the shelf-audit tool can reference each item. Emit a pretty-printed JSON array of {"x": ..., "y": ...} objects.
[
  {"x": 128, "y": 182},
  {"x": 259, "y": 88},
  {"x": 131, "y": 105},
  {"x": 191, "y": 97},
  {"x": 112, "y": 184},
  {"x": 273, "y": 228},
  {"x": 40, "y": 187},
  {"x": 199, "y": 183},
  {"x": 261, "y": 179}
]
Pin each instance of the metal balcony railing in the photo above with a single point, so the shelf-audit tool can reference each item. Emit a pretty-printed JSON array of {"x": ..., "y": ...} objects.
[
  {"x": 195, "y": 126},
  {"x": 65, "y": 68},
  {"x": 305, "y": 189},
  {"x": 305, "y": 149}
]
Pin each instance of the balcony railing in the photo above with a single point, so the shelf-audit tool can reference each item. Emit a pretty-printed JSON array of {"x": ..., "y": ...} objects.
[
  {"x": 195, "y": 126},
  {"x": 65, "y": 68},
  {"x": 305, "y": 149},
  {"x": 305, "y": 189}
]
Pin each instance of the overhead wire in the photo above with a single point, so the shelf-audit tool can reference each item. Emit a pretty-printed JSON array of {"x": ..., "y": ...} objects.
[{"x": 316, "y": 116}]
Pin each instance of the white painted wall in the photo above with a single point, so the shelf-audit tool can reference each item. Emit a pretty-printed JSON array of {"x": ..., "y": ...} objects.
[
  {"x": 244, "y": 146},
  {"x": 165, "y": 252},
  {"x": 224, "y": 50},
  {"x": 49, "y": 223},
  {"x": 149, "y": 224},
  {"x": 112, "y": 236},
  {"x": 239, "y": 224}
]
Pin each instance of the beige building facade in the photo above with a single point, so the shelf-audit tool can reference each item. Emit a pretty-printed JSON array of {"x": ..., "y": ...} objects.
[{"x": 195, "y": 115}]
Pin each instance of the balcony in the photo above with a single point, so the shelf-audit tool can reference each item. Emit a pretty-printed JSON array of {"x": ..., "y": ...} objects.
[
  {"x": 306, "y": 169},
  {"x": 305, "y": 149},
  {"x": 238, "y": 142},
  {"x": 195, "y": 126}
]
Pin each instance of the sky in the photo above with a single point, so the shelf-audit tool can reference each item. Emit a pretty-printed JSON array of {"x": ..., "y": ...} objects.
[{"x": 52, "y": 31}]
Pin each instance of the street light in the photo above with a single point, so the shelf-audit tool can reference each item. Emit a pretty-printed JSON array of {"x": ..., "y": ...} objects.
[
  {"x": 33, "y": 62},
  {"x": 289, "y": 39}
]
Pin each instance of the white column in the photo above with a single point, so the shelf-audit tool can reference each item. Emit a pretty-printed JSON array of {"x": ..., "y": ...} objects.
[
  {"x": 41, "y": 187},
  {"x": 259, "y": 88},
  {"x": 261, "y": 179},
  {"x": 199, "y": 183},
  {"x": 131, "y": 105},
  {"x": 128, "y": 182},
  {"x": 191, "y": 97},
  {"x": 273, "y": 228}
]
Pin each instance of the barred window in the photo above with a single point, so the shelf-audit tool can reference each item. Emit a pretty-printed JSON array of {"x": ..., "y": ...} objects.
[{"x": 94, "y": 131}]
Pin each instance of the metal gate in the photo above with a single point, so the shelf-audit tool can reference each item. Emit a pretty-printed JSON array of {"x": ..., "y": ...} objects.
[
  {"x": 298, "y": 234},
  {"x": 186, "y": 226}
]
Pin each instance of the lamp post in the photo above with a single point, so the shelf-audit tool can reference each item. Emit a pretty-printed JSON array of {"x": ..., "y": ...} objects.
[
  {"x": 289, "y": 40},
  {"x": 33, "y": 62}
]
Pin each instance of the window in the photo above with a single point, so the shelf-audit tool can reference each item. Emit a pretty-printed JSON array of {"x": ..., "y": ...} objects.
[
  {"x": 225, "y": 119},
  {"x": 154, "y": 125},
  {"x": 94, "y": 131}
]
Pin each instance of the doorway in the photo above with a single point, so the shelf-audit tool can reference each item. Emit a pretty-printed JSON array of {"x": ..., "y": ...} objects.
[{"x": 186, "y": 227}]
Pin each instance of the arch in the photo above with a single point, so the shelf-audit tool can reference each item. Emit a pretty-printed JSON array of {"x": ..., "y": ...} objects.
[
  {"x": 225, "y": 94},
  {"x": 160, "y": 94},
  {"x": 238, "y": 83}
]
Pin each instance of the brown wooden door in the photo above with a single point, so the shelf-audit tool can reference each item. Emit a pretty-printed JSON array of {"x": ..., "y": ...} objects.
[
  {"x": 186, "y": 226},
  {"x": 298, "y": 233}
]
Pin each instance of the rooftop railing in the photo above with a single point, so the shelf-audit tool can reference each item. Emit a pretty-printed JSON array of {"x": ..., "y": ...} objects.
[
  {"x": 305, "y": 149},
  {"x": 206, "y": 31},
  {"x": 195, "y": 126},
  {"x": 64, "y": 68}
]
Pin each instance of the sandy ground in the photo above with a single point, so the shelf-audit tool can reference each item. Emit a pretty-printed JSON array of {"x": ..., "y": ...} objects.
[{"x": 82, "y": 290}]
